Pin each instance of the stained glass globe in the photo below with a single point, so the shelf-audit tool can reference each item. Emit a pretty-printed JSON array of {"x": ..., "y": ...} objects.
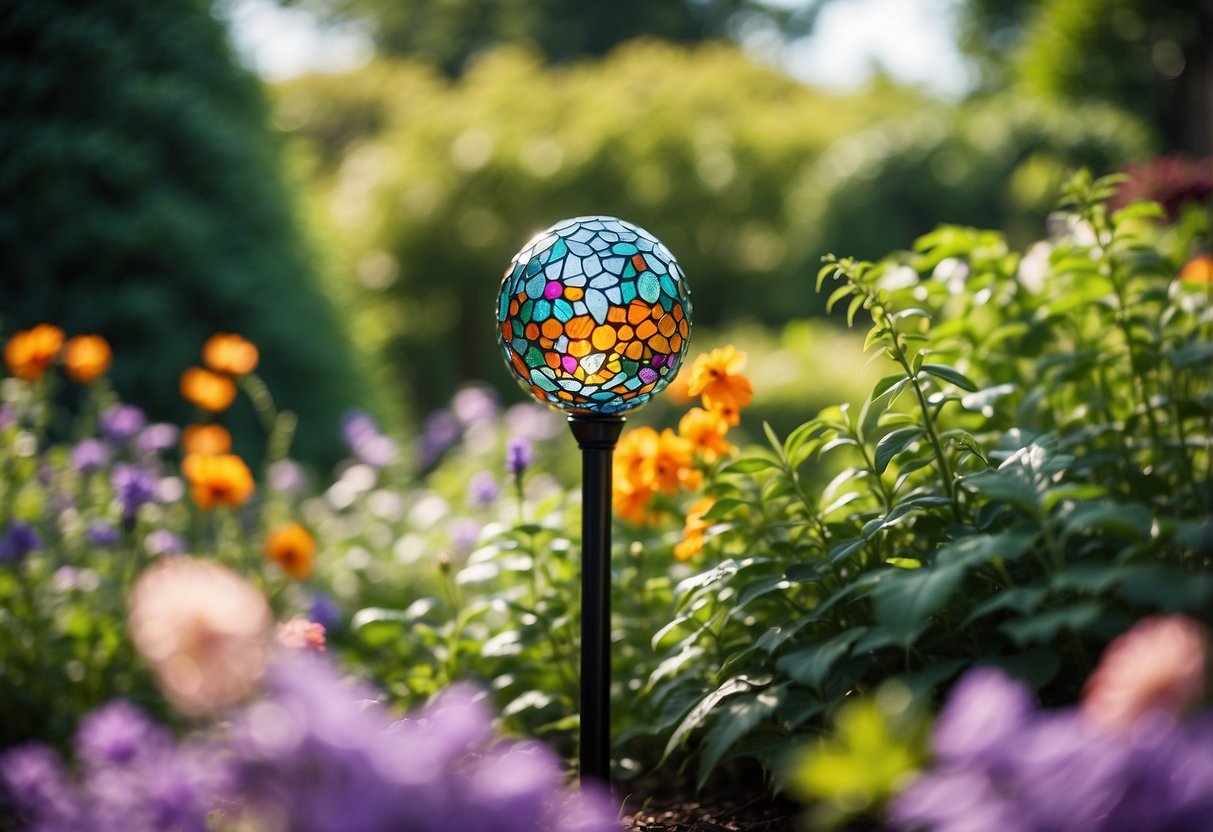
[{"x": 594, "y": 316}]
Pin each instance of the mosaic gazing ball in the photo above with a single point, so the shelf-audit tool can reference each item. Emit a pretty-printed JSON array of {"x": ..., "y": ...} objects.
[{"x": 594, "y": 315}]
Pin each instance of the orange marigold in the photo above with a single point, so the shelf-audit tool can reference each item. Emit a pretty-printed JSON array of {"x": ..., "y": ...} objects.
[
  {"x": 1198, "y": 270},
  {"x": 226, "y": 352},
  {"x": 87, "y": 358},
  {"x": 293, "y": 548},
  {"x": 693, "y": 533},
  {"x": 716, "y": 377},
  {"x": 206, "y": 440},
  {"x": 631, "y": 501},
  {"x": 29, "y": 352},
  {"x": 219, "y": 480},
  {"x": 209, "y": 391},
  {"x": 705, "y": 430},
  {"x": 672, "y": 464}
]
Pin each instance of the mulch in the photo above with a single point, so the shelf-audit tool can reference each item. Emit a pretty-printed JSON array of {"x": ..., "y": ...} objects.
[{"x": 761, "y": 814}]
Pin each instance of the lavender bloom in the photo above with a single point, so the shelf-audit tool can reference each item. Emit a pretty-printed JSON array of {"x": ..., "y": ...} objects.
[
  {"x": 158, "y": 437},
  {"x": 517, "y": 456},
  {"x": 483, "y": 489},
  {"x": 324, "y": 611},
  {"x": 164, "y": 542},
  {"x": 441, "y": 431},
  {"x": 1004, "y": 765},
  {"x": 89, "y": 455},
  {"x": 286, "y": 476},
  {"x": 18, "y": 541},
  {"x": 34, "y": 783},
  {"x": 102, "y": 534},
  {"x": 133, "y": 486},
  {"x": 117, "y": 734},
  {"x": 364, "y": 440},
  {"x": 474, "y": 404},
  {"x": 121, "y": 422}
]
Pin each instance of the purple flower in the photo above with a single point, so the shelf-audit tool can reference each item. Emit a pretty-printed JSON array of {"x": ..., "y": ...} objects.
[
  {"x": 116, "y": 734},
  {"x": 164, "y": 542},
  {"x": 18, "y": 541},
  {"x": 133, "y": 486},
  {"x": 89, "y": 455},
  {"x": 7, "y": 417},
  {"x": 483, "y": 489},
  {"x": 474, "y": 404},
  {"x": 158, "y": 437},
  {"x": 122, "y": 421},
  {"x": 517, "y": 456},
  {"x": 324, "y": 611},
  {"x": 35, "y": 783},
  {"x": 464, "y": 533},
  {"x": 102, "y": 534},
  {"x": 441, "y": 431},
  {"x": 286, "y": 476},
  {"x": 986, "y": 710},
  {"x": 364, "y": 440}
]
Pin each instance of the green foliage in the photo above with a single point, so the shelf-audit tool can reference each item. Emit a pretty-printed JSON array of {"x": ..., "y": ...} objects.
[
  {"x": 994, "y": 163},
  {"x": 1032, "y": 475},
  {"x": 144, "y": 202},
  {"x": 449, "y": 34},
  {"x": 450, "y": 179}
]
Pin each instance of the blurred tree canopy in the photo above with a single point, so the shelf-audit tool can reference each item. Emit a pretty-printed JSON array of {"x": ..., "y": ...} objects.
[
  {"x": 448, "y": 34},
  {"x": 143, "y": 200},
  {"x": 1152, "y": 59},
  {"x": 431, "y": 185}
]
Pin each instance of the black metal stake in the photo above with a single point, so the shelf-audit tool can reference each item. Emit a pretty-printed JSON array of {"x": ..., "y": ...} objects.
[{"x": 596, "y": 435}]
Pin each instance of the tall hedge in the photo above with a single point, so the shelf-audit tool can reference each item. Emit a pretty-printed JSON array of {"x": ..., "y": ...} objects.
[{"x": 141, "y": 197}]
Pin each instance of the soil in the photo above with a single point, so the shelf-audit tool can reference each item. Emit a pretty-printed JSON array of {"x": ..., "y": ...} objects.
[{"x": 703, "y": 814}]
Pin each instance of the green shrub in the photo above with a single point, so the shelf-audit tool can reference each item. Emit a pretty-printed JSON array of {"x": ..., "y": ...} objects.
[
  {"x": 144, "y": 201},
  {"x": 1032, "y": 476}
]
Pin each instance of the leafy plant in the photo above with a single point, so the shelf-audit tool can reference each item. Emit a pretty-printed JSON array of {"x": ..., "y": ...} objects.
[{"x": 1032, "y": 474}]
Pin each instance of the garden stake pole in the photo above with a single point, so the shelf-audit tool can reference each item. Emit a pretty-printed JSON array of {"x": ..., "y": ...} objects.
[{"x": 596, "y": 435}]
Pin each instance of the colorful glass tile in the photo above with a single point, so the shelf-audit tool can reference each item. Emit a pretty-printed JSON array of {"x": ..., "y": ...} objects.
[{"x": 594, "y": 316}]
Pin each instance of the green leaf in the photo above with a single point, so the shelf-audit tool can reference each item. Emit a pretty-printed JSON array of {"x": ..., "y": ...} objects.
[
  {"x": 810, "y": 665},
  {"x": 950, "y": 375},
  {"x": 1072, "y": 491},
  {"x": 670, "y": 665},
  {"x": 1166, "y": 588},
  {"x": 977, "y": 549},
  {"x": 732, "y": 687},
  {"x": 856, "y": 302},
  {"x": 743, "y": 715},
  {"x": 922, "y": 683},
  {"x": 892, "y": 444},
  {"x": 907, "y": 598},
  {"x": 802, "y": 573},
  {"x": 982, "y": 399},
  {"x": 842, "y": 551},
  {"x": 1044, "y": 626},
  {"x": 722, "y": 508},
  {"x": 1139, "y": 210},
  {"x": 1037, "y": 666},
  {"x": 749, "y": 465},
  {"x": 837, "y": 295},
  {"x": 1021, "y": 599},
  {"x": 1129, "y": 521}
]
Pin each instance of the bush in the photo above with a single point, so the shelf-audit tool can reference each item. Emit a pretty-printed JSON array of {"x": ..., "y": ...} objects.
[{"x": 145, "y": 202}]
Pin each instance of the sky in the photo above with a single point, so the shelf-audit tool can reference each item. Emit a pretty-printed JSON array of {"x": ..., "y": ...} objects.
[{"x": 912, "y": 39}]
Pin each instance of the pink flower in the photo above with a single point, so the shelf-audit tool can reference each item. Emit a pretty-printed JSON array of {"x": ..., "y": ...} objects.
[
  {"x": 203, "y": 629},
  {"x": 301, "y": 634},
  {"x": 1157, "y": 666}
]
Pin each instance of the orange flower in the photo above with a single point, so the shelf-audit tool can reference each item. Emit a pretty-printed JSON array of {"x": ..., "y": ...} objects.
[
  {"x": 219, "y": 480},
  {"x": 671, "y": 465},
  {"x": 693, "y": 533},
  {"x": 206, "y": 440},
  {"x": 87, "y": 358},
  {"x": 293, "y": 548},
  {"x": 29, "y": 352},
  {"x": 716, "y": 377},
  {"x": 1198, "y": 270},
  {"x": 229, "y": 353},
  {"x": 209, "y": 391},
  {"x": 631, "y": 501},
  {"x": 705, "y": 430}
]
